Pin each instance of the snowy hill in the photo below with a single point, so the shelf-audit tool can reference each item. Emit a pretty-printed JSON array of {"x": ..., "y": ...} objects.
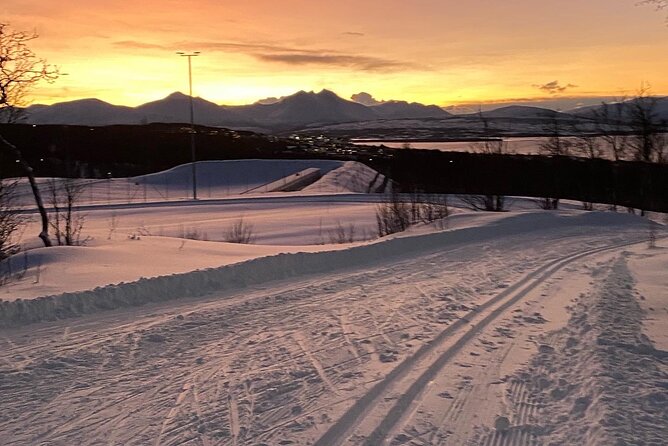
[
  {"x": 403, "y": 109},
  {"x": 521, "y": 111},
  {"x": 91, "y": 112},
  {"x": 176, "y": 108},
  {"x": 305, "y": 108},
  {"x": 621, "y": 108}
]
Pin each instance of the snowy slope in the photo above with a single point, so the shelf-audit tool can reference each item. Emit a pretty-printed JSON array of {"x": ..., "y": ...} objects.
[{"x": 521, "y": 331}]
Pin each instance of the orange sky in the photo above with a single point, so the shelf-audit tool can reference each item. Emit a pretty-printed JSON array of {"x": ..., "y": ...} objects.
[{"x": 432, "y": 51}]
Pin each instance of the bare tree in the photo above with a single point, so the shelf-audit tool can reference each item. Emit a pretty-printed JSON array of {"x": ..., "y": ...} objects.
[
  {"x": 20, "y": 70},
  {"x": 492, "y": 203},
  {"x": 612, "y": 127},
  {"x": 10, "y": 220},
  {"x": 589, "y": 146},
  {"x": 658, "y": 4},
  {"x": 554, "y": 145},
  {"x": 648, "y": 139}
]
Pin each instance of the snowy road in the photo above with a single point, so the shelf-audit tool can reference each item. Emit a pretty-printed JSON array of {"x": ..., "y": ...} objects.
[{"x": 358, "y": 355}]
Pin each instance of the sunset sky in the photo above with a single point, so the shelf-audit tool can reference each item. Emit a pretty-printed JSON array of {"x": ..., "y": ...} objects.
[{"x": 433, "y": 51}]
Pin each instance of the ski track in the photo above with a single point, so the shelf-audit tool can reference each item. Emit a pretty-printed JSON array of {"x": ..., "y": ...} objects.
[
  {"x": 431, "y": 360},
  {"x": 276, "y": 365}
]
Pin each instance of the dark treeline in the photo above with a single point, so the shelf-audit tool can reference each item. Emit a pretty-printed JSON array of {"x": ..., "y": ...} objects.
[
  {"x": 80, "y": 151},
  {"x": 631, "y": 184}
]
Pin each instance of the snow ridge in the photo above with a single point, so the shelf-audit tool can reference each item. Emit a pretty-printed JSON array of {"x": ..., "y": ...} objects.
[{"x": 282, "y": 266}]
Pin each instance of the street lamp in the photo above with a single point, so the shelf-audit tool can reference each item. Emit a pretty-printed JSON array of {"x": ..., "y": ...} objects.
[{"x": 192, "y": 118}]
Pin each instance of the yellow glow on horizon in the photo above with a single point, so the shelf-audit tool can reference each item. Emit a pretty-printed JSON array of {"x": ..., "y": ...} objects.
[{"x": 446, "y": 52}]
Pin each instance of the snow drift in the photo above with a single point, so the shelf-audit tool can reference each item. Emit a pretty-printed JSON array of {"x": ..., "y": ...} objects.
[{"x": 282, "y": 266}]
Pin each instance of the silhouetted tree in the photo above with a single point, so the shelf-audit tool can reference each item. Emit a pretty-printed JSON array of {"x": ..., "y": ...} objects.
[
  {"x": 648, "y": 138},
  {"x": 659, "y": 4},
  {"x": 612, "y": 126},
  {"x": 554, "y": 145},
  {"x": 492, "y": 203},
  {"x": 20, "y": 70}
]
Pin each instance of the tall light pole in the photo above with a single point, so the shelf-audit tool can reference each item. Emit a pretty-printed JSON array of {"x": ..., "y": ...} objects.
[{"x": 192, "y": 118}]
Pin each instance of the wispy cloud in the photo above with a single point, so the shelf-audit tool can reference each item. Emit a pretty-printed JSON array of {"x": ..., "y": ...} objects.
[
  {"x": 133, "y": 44},
  {"x": 280, "y": 54},
  {"x": 353, "y": 33},
  {"x": 364, "y": 63},
  {"x": 554, "y": 87}
]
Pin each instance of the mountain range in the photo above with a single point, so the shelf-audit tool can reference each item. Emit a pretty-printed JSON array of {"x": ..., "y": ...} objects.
[{"x": 298, "y": 111}]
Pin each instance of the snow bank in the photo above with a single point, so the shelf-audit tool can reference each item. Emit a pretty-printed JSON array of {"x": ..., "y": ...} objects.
[
  {"x": 282, "y": 266},
  {"x": 244, "y": 173},
  {"x": 352, "y": 176},
  {"x": 215, "y": 179}
]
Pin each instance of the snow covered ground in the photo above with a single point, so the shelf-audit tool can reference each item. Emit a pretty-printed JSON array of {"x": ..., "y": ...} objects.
[{"x": 519, "y": 328}]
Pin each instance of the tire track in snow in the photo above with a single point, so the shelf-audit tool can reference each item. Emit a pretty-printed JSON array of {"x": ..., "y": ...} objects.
[{"x": 341, "y": 429}]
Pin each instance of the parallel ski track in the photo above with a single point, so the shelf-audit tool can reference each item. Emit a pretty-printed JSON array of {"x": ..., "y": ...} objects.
[{"x": 345, "y": 425}]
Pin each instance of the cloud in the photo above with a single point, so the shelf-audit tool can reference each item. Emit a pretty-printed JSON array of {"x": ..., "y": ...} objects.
[
  {"x": 353, "y": 33},
  {"x": 554, "y": 87},
  {"x": 363, "y": 63},
  {"x": 279, "y": 54},
  {"x": 135, "y": 45},
  {"x": 365, "y": 99}
]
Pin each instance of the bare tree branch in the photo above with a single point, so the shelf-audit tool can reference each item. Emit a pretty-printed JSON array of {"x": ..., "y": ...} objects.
[{"x": 20, "y": 70}]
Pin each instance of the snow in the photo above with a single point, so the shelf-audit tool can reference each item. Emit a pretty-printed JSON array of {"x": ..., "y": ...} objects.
[
  {"x": 215, "y": 179},
  {"x": 515, "y": 328},
  {"x": 264, "y": 267},
  {"x": 351, "y": 177}
]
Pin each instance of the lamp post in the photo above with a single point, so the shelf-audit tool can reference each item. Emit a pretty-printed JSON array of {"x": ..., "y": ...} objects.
[{"x": 192, "y": 118}]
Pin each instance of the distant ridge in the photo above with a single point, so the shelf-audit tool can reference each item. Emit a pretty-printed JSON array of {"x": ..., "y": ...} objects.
[
  {"x": 521, "y": 111},
  {"x": 298, "y": 111}
]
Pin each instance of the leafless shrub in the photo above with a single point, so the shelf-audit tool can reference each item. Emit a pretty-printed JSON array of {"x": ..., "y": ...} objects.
[
  {"x": 239, "y": 232},
  {"x": 13, "y": 269},
  {"x": 395, "y": 215},
  {"x": 392, "y": 216},
  {"x": 434, "y": 208},
  {"x": 65, "y": 220},
  {"x": 652, "y": 233},
  {"x": 113, "y": 225},
  {"x": 10, "y": 220},
  {"x": 191, "y": 233},
  {"x": 489, "y": 203},
  {"x": 547, "y": 204},
  {"x": 342, "y": 234}
]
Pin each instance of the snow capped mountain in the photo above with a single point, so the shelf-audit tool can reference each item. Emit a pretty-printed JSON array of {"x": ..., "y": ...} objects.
[
  {"x": 521, "y": 111},
  {"x": 297, "y": 111},
  {"x": 305, "y": 108},
  {"x": 176, "y": 108},
  {"x": 406, "y": 110}
]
